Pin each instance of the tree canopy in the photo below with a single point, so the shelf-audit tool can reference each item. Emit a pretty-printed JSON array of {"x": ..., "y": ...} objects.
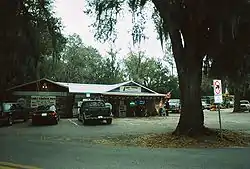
[
  {"x": 196, "y": 29},
  {"x": 83, "y": 64},
  {"x": 30, "y": 32}
]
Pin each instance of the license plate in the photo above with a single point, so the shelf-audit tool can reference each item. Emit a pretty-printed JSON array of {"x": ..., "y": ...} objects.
[
  {"x": 44, "y": 114},
  {"x": 99, "y": 117}
]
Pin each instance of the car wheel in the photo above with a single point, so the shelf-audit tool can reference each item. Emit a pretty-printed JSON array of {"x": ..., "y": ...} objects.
[
  {"x": 109, "y": 121},
  {"x": 56, "y": 122},
  {"x": 83, "y": 121},
  {"x": 33, "y": 123},
  {"x": 79, "y": 118},
  {"x": 10, "y": 121},
  {"x": 25, "y": 119}
]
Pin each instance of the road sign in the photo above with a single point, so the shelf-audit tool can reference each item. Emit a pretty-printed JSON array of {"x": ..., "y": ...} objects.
[
  {"x": 218, "y": 98},
  {"x": 217, "y": 91},
  {"x": 217, "y": 87}
]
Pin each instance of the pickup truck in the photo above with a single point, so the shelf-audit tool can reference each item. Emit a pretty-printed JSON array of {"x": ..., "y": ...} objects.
[{"x": 94, "y": 110}]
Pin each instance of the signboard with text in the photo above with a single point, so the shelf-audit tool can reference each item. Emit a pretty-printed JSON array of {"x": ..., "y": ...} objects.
[
  {"x": 42, "y": 100},
  {"x": 130, "y": 89}
]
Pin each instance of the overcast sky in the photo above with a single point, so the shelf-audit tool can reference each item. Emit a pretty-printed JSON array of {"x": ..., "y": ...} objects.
[{"x": 76, "y": 21}]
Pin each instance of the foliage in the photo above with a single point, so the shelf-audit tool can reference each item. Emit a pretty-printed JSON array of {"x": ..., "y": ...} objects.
[
  {"x": 151, "y": 73},
  {"x": 83, "y": 64},
  {"x": 206, "y": 86},
  {"x": 111, "y": 69},
  {"x": 30, "y": 33}
]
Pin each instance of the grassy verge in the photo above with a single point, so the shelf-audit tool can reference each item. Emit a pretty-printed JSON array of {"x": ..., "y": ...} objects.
[{"x": 167, "y": 140}]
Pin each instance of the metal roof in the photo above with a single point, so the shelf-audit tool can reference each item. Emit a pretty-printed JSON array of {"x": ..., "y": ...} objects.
[
  {"x": 87, "y": 88},
  {"x": 97, "y": 88},
  {"x": 133, "y": 94}
]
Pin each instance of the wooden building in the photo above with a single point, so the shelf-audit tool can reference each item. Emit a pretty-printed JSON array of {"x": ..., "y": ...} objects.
[{"x": 67, "y": 96}]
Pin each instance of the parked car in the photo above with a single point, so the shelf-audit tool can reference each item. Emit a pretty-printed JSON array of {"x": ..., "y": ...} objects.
[
  {"x": 245, "y": 105},
  {"x": 19, "y": 112},
  {"x": 5, "y": 115},
  {"x": 205, "y": 105},
  {"x": 174, "y": 106},
  {"x": 94, "y": 110},
  {"x": 45, "y": 114},
  {"x": 9, "y": 112}
]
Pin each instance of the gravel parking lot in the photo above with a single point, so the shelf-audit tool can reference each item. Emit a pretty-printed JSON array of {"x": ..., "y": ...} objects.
[
  {"x": 44, "y": 145},
  {"x": 72, "y": 127}
]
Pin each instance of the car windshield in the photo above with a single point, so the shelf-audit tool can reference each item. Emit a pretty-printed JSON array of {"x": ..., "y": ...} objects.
[
  {"x": 174, "y": 101},
  {"x": 244, "y": 102},
  {"x": 7, "y": 106},
  {"x": 95, "y": 104}
]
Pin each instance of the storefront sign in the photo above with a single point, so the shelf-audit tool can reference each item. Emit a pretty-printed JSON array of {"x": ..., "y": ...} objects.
[
  {"x": 42, "y": 100},
  {"x": 130, "y": 89}
]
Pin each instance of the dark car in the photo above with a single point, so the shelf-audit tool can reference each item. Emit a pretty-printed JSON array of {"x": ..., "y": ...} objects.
[
  {"x": 9, "y": 112},
  {"x": 45, "y": 114},
  {"x": 94, "y": 110}
]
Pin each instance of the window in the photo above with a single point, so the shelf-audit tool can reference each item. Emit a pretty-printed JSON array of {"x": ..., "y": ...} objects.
[
  {"x": 7, "y": 106},
  {"x": 52, "y": 108},
  {"x": 244, "y": 102},
  {"x": 94, "y": 104}
]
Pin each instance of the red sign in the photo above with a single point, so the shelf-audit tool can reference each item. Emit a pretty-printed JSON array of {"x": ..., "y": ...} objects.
[{"x": 217, "y": 87}]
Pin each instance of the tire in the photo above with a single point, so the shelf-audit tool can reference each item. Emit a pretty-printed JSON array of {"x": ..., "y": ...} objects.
[
  {"x": 79, "y": 119},
  {"x": 55, "y": 122},
  {"x": 25, "y": 119},
  {"x": 10, "y": 121},
  {"x": 109, "y": 121},
  {"x": 83, "y": 121},
  {"x": 33, "y": 123}
]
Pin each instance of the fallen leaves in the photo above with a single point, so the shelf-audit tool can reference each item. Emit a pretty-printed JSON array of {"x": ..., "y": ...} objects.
[{"x": 167, "y": 140}]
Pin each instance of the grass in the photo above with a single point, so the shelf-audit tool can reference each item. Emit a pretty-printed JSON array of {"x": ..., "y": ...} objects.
[{"x": 167, "y": 140}]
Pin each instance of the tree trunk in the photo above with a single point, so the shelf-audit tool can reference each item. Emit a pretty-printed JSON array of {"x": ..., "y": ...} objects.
[
  {"x": 192, "y": 118},
  {"x": 237, "y": 99},
  {"x": 188, "y": 45},
  {"x": 189, "y": 61}
]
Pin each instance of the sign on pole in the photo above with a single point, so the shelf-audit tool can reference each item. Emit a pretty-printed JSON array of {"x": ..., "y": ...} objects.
[
  {"x": 218, "y": 98},
  {"x": 217, "y": 91}
]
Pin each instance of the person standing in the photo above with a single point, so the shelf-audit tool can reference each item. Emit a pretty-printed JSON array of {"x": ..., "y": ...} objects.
[
  {"x": 160, "y": 108},
  {"x": 167, "y": 107}
]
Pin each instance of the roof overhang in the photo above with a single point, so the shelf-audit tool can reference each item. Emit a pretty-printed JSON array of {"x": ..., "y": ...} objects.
[{"x": 133, "y": 94}]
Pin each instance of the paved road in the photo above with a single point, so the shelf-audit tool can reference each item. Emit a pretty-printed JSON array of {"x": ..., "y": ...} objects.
[{"x": 64, "y": 146}]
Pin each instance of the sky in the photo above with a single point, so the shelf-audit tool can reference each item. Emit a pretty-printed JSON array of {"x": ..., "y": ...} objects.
[{"x": 76, "y": 21}]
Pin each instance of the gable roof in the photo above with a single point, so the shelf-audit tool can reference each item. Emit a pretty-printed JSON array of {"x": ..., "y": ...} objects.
[
  {"x": 36, "y": 81},
  {"x": 93, "y": 88},
  {"x": 98, "y": 88},
  {"x": 125, "y": 83}
]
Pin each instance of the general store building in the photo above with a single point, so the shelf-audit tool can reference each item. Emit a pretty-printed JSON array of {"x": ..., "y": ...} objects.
[{"x": 68, "y": 96}]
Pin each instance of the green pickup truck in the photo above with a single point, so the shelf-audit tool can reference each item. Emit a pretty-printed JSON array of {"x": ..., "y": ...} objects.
[{"x": 94, "y": 110}]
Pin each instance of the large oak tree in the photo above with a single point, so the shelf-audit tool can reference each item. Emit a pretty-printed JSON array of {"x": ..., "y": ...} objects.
[{"x": 196, "y": 28}]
